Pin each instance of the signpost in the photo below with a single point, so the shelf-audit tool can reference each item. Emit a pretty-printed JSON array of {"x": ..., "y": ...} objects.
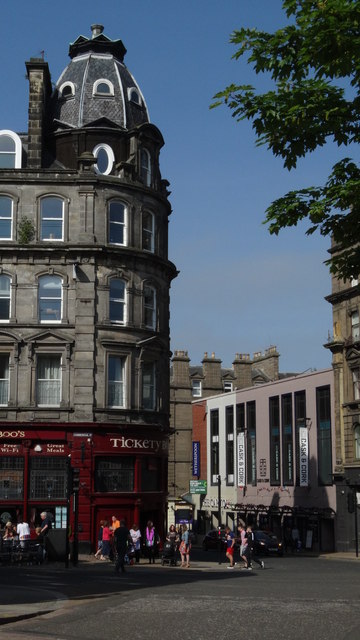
[{"x": 198, "y": 486}]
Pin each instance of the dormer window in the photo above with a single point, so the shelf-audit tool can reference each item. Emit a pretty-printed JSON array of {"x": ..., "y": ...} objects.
[
  {"x": 103, "y": 88},
  {"x": 105, "y": 159},
  {"x": 67, "y": 90},
  {"x": 134, "y": 95},
  {"x": 10, "y": 150}
]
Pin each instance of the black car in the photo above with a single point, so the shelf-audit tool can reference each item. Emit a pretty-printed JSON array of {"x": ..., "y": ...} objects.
[
  {"x": 267, "y": 543},
  {"x": 211, "y": 539}
]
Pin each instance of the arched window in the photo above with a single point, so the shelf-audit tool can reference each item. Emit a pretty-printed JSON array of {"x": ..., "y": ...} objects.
[
  {"x": 6, "y": 218},
  {"x": 10, "y": 150},
  {"x": 67, "y": 90},
  {"x": 148, "y": 235},
  {"x": 117, "y": 223},
  {"x": 134, "y": 95},
  {"x": 117, "y": 301},
  {"x": 149, "y": 307},
  {"x": 5, "y": 283},
  {"x": 103, "y": 88},
  {"x": 50, "y": 299},
  {"x": 357, "y": 441},
  {"x": 105, "y": 159},
  {"x": 51, "y": 218},
  {"x": 145, "y": 167}
]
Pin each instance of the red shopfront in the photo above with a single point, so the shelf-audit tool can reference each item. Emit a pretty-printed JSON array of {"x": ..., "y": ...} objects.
[{"x": 122, "y": 472}]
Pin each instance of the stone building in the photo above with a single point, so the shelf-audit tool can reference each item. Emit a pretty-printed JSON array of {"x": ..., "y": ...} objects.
[
  {"x": 188, "y": 383},
  {"x": 84, "y": 297},
  {"x": 344, "y": 345}
]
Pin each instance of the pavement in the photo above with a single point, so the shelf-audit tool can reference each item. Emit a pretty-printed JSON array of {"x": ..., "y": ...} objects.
[{"x": 18, "y": 604}]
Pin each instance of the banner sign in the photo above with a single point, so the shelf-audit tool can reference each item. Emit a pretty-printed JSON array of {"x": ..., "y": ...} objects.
[
  {"x": 198, "y": 486},
  {"x": 241, "y": 467},
  {"x": 196, "y": 458},
  {"x": 304, "y": 456}
]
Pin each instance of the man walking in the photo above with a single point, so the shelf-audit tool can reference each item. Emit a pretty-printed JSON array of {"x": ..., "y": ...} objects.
[
  {"x": 230, "y": 542},
  {"x": 251, "y": 549},
  {"x": 121, "y": 539}
]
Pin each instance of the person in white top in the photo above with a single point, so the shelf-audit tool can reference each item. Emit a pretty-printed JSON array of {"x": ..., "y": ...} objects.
[
  {"x": 23, "y": 531},
  {"x": 136, "y": 536}
]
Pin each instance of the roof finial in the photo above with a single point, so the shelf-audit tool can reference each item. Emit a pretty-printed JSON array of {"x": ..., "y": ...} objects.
[{"x": 96, "y": 30}]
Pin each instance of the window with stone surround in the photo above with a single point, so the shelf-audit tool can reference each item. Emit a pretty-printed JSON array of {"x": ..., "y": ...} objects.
[
  {"x": 51, "y": 218},
  {"x": 116, "y": 382},
  {"x": 117, "y": 301},
  {"x": 5, "y": 298},
  {"x": 50, "y": 299},
  {"x": 117, "y": 223},
  {"x": 48, "y": 380},
  {"x": 145, "y": 167},
  {"x": 6, "y": 217}
]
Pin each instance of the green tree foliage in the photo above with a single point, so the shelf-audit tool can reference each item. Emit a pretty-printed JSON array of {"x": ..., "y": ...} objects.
[{"x": 314, "y": 63}]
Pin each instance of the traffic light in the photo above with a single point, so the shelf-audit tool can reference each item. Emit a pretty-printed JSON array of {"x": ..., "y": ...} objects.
[
  {"x": 75, "y": 480},
  {"x": 351, "y": 502}
]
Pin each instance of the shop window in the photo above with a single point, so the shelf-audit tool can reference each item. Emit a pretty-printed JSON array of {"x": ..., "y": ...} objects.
[
  {"x": 51, "y": 218},
  {"x": 5, "y": 290},
  {"x": 48, "y": 380},
  {"x": 148, "y": 225},
  {"x": 150, "y": 474},
  {"x": 149, "y": 307},
  {"x": 117, "y": 301},
  {"x": 11, "y": 478},
  {"x": 50, "y": 299},
  {"x": 117, "y": 231},
  {"x": 116, "y": 382},
  {"x": 114, "y": 474},
  {"x": 229, "y": 433},
  {"x": 148, "y": 386},
  {"x": 251, "y": 442},
  {"x": 274, "y": 423},
  {"x": 4, "y": 379},
  {"x": 287, "y": 440},
  {"x": 105, "y": 159},
  {"x": 145, "y": 167},
  {"x": 10, "y": 150},
  {"x": 6, "y": 218},
  {"x": 48, "y": 478},
  {"x": 323, "y": 414},
  {"x": 196, "y": 389},
  {"x": 214, "y": 445}
]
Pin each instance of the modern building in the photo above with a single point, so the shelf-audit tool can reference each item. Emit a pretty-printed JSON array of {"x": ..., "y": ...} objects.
[
  {"x": 84, "y": 297},
  {"x": 344, "y": 345},
  {"x": 189, "y": 382},
  {"x": 264, "y": 455}
]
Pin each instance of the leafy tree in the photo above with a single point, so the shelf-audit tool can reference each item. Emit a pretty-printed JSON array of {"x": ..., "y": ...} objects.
[{"x": 314, "y": 63}]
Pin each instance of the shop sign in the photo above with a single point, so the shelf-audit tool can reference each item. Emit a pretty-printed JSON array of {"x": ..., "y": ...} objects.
[
  {"x": 196, "y": 459},
  {"x": 198, "y": 486},
  {"x": 55, "y": 448},
  {"x": 304, "y": 456},
  {"x": 213, "y": 503},
  {"x": 9, "y": 448},
  {"x": 12, "y": 434},
  {"x": 241, "y": 459},
  {"x": 139, "y": 444}
]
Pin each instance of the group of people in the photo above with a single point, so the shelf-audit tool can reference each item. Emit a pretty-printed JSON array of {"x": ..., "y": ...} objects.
[
  {"x": 117, "y": 542},
  {"x": 246, "y": 542}
]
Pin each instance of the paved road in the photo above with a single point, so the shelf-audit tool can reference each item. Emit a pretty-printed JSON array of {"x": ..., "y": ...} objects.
[{"x": 293, "y": 598}]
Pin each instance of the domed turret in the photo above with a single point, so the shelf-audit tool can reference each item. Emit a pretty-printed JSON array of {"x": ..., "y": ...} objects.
[{"x": 96, "y": 87}]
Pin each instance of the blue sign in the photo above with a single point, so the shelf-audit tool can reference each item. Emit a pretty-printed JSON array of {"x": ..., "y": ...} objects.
[{"x": 196, "y": 458}]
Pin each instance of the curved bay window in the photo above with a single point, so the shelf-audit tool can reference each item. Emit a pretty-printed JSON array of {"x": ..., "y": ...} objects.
[
  {"x": 48, "y": 478},
  {"x": 114, "y": 474},
  {"x": 11, "y": 478}
]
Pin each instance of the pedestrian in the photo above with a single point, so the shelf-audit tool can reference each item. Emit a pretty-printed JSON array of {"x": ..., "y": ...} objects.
[
  {"x": 243, "y": 545},
  {"x": 23, "y": 531},
  {"x": 46, "y": 523},
  {"x": 106, "y": 537},
  {"x": 100, "y": 538},
  {"x": 150, "y": 541},
  {"x": 230, "y": 542},
  {"x": 136, "y": 540},
  {"x": 251, "y": 549},
  {"x": 122, "y": 540},
  {"x": 185, "y": 546}
]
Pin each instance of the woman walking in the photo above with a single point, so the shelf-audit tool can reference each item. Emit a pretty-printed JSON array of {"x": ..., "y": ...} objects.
[{"x": 150, "y": 541}]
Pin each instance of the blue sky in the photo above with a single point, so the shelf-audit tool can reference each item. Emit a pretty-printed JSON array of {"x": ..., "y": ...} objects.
[{"x": 239, "y": 289}]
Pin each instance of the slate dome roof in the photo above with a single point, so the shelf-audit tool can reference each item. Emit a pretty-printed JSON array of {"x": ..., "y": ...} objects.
[{"x": 96, "y": 88}]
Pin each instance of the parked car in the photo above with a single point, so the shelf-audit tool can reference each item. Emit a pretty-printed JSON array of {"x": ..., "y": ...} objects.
[
  {"x": 267, "y": 543},
  {"x": 211, "y": 539}
]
